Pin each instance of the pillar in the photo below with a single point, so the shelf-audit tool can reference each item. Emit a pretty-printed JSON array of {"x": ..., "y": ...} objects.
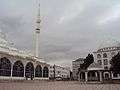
[
  {"x": 100, "y": 76},
  {"x": 11, "y": 69},
  {"x": 34, "y": 73},
  {"x": 96, "y": 75},
  {"x": 86, "y": 76},
  {"x": 81, "y": 76},
  {"x": 24, "y": 71}
]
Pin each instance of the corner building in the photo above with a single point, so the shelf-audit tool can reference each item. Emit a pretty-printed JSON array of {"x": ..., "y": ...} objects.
[{"x": 100, "y": 69}]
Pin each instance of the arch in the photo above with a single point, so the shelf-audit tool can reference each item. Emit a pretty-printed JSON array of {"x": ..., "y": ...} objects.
[
  {"x": 5, "y": 67},
  {"x": 106, "y": 75},
  {"x": 93, "y": 76},
  {"x": 29, "y": 70},
  {"x": 18, "y": 69},
  {"x": 105, "y": 55},
  {"x": 45, "y": 72},
  {"x": 38, "y": 71},
  {"x": 99, "y": 62}
]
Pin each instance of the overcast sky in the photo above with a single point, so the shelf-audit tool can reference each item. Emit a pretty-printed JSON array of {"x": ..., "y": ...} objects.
[{"x": 70, "y": 28}]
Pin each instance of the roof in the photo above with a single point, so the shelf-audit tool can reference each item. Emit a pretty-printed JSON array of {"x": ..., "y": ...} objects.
[
  {"x": 94, "y": 66},
  {"x": 79, "y": 59},
  {"x": 109, "y": 43},
  {"x": 8, "y": 47}
]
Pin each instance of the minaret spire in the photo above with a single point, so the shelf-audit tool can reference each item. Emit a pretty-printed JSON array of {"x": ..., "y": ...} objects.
[
  {"x": 38, "y": 19},
  {"x": 37, "y": 31}
]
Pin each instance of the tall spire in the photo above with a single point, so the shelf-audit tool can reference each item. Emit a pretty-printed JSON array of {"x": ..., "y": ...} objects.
[
  {"x": 37, "y": 32},
  {"x": 38, "y": 21}
]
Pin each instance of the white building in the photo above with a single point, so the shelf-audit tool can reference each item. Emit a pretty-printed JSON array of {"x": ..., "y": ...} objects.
[
  {"x": 17, "y": 64},
  {"x": 59, "y": 72},
  {"x": 100, "y": 69},
  {"x": 75, "y": 66}
]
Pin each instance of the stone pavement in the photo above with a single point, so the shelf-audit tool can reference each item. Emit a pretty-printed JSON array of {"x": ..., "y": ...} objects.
[{"x": 57, "y": 85}]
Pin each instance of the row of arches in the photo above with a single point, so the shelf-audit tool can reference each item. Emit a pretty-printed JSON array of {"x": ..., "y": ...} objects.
[
  {"x": 18, "y": 69},
  {"x": 94, "y": 75}
]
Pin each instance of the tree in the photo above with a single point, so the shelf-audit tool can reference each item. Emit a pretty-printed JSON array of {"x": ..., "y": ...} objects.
[
  {"x": 87, "y": 61},
  {"x": 115, "y": 63}
]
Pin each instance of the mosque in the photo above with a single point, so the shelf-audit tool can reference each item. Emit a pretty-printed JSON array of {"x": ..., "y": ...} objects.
[{"x": 16, "y": 64}]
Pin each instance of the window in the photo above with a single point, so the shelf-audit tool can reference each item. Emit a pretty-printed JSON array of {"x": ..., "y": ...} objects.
[
  {"x": 115, "y": 75},
  {"x": 104, "y": 55},
  {"x": 99, "y": 62},
  {"x": 106, "y": 68},
  {"x": 105, "y": 62},
  {"x": 112, "y": 54},
  {"x": 98, "y": 56}
]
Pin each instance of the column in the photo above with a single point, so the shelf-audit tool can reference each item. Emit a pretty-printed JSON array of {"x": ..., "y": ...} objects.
[
  {"x": 86, "y": 76},
  {"x": 100, "y": 76},
  {"x": 96, "y": 76},
  {"x": 81, "y": 76},
  {"x": 24, "y": 71},
  {"x": 34, "y": 73},
  {"x": 42, "y": 71},
  {"x": 11, "y": 69}
]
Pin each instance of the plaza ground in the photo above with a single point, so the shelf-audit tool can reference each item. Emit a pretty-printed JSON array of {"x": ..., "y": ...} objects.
[{"x": 56, "y": 85}]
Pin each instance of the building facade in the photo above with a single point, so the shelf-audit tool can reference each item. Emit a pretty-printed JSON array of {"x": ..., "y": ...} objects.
[
  {"x": 100, "y": 69},
  {"x": 75, "y": 66},
  {"x": 59, "y": 72}
]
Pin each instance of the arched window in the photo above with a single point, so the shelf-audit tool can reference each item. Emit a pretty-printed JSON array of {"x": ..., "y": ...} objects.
[
  {"x": 99, "y": 62},
  {"x": 5, "y": 67},
  {"x": 45, "y": 72},
  {"x": 115, "y": 75},
  {"x": 38, "y": 71},
  {"x": 106, "y": 76},
  {"x": 104, "y": 55},
  {"x": 113, "y": 54},
  {"x": 29, "y": 70},
  {"x": 105, "y": 61},
  {"x": 18, "y": 69},
  {"x": 98, "y": 56}
]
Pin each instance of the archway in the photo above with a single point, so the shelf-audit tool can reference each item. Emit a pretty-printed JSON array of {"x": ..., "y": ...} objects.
[
  {"x": 45, "y": 72},
  {"x": 18, "y": 69},
  {"x": 106, "y": 75},
  {"x": 29, "y": 70},
  {"x": 93, "y": 76},
  {"x": 5, "y": 67},
  {"x": 38, "y": 71}
]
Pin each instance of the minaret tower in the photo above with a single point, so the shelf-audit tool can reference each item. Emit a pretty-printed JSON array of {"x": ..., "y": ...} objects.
[{"x": 37, "y": 32}]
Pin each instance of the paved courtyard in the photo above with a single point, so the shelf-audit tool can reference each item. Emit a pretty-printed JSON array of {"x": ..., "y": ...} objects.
[{"x": 57, "y": 85}]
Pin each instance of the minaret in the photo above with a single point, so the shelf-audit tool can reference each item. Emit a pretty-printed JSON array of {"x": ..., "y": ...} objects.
[{"x": 37, "y": 33}]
